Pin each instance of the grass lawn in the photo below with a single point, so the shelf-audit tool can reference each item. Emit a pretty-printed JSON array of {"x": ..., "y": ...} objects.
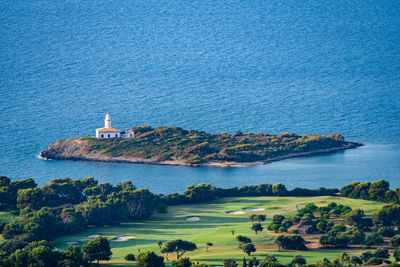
[
  {"x": 214, "y": 226},
  {"x": 6, "y": 217}
]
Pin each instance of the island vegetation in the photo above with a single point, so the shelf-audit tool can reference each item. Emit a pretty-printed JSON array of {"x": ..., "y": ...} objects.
[
  {"x": 266, "y": 223},
  {"x": 176, "y": 146}
]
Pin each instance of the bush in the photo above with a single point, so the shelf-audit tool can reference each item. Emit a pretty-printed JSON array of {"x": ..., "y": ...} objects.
[
  {"x": 395, "y": 241},
  {"x": 183, "y": 262},
  {"x": 386, "y": 231},
  {"x": 396, "y": 254},
  {"x": 382, "y": 253},
  {"x": 270, "y": 264},
  {"x": 299, "y": 260},
  {"x": 149, "y": 258},
  {"x": 130, "y": 257},
  {"x": 365, "y": 256},
  {"x": 373, "y": 239},
  {"x": 374, "y": 261},
  {"x": 294, "y": 242}
]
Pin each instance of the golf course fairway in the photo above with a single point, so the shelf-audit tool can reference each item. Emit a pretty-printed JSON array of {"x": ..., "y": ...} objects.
[{"x": 213, "y": 222}]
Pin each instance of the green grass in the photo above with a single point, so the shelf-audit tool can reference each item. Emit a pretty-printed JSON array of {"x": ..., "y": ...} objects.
[
  {"x": 7, "y": 218},
  {"x": 215, "y": 226}
]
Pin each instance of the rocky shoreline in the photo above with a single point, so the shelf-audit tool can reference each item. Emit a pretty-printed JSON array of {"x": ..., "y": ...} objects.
[{"x": 76, "y": 149}]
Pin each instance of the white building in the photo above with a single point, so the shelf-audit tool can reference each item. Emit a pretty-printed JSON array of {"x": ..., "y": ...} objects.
[{"x": 109, "y": 132}]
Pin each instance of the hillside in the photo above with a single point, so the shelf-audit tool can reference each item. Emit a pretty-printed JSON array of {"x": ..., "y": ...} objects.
[{"x": 176, "y": 146}]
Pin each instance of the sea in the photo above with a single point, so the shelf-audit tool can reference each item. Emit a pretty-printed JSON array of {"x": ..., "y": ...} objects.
[{"x": 303, "y": 67}]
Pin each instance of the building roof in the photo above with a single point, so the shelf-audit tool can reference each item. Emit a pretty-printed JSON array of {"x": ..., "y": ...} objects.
[
  {"x": 130, "y": 131},
  {"x": 108, "y": 130}
]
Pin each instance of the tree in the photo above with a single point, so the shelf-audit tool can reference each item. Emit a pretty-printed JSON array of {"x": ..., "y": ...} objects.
[
  {"x": 279, "y": 240},
  {"x": 178, "y": 246},
  {"x": 395, "y": 241},
  {"x": 321, "y": 225},
  {"x": 355, "y": 217},
  {"x": 150, "y": 259},
  {"x": 294, "y": 242},
  {"x": 298, "y": 260},
  {"x": 159, "y": 243},
  {"x": 388, "y": 215},
  {"x": 130, "y": 257},
  {"x": 74, "y": 255},
  {"x": 19, "y": 258},
  {"x": 201, "y": 192},
  {"x": 260, "y": 218},
  {"x": 355, "y": 260},
  {"x": 378, "y": 189},
  {"x": 12, "y": 229},
  {"x": 244, "y": 262},
  {"x": 243, "y": 240},
  {"x": 396, "y": 254},
  {"x": 249, "y": 248},
  {"x": 97, "y": 249},
  {"x": 254, "y": 261},
  {"x": 44, "y": 256},
  {"x": 391, "y": 196},
  {"x": 270, "y": 258},
  {"x": 373, "y": 239},
  {"x": 374, "y": 261},
  {"x": 257, "y": 227},
  {"x": 382, "y": 253},
  {"x": 162, "y": 208},
  {"x": 183, "y": 262},
  {"x": 386, "y": 231},
  {"x": 209, "y": 244},
  {"x": 344, "y": 257},
  {"x": 30, "y": 197},
  {"x": 252, "y": 217},
  {"x": 230, "y": 263},
  {"x": 279, "y": 189},
  {"x": 4, "y": 181},
  {"x": 365, "y": 256}
]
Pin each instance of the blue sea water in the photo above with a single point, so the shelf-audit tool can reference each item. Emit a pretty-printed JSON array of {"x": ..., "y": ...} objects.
[{"x": 256, "y": 66}]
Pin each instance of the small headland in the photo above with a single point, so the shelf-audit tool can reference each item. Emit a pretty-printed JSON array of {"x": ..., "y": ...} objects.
[{"x": 176, "y": 146}]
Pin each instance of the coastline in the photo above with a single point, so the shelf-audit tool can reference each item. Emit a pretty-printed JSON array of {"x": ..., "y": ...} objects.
[{"x": 94, "y": 157}]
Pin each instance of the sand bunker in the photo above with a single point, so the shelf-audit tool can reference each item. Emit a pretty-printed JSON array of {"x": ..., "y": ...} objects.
[
  {"x": 235, "y": 212},
  {"x": 123, "y": 238},
  {"x": 92, "y": 236},
  {"x": 71, "y": 243},
  {"x": 193, "y": 219},
  {"x": 255, "y": 209}
]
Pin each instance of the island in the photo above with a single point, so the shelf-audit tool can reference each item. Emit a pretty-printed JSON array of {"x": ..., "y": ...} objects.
[{"x": 177, "y": 146}]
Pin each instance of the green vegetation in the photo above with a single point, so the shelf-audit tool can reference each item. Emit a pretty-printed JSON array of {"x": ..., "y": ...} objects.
[
  {"x": 161, "y": 229},
  {"x": 215, "y": 226},
  {"x": 194, "y": 147}
]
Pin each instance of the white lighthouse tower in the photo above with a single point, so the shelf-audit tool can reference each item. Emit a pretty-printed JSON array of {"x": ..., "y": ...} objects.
[
  {"x": 107, "y": 131},
  {"x": 107, "y": 121}
]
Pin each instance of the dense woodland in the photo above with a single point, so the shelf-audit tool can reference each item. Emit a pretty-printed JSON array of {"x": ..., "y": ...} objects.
[
  {"x": 196, "y": 147},
  {"x": 65, "y": 206}
]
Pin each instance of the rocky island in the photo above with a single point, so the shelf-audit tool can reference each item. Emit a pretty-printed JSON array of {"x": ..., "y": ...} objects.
[{"x": 177, "y": 146}]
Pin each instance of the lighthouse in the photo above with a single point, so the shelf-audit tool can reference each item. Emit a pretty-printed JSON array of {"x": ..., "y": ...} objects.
[
  {"x": 109, "y": 132},
  {"x": 107, "y": 121}
]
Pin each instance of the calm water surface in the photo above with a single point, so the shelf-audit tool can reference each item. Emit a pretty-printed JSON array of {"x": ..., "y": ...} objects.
[{"x": 275, "y": 66}]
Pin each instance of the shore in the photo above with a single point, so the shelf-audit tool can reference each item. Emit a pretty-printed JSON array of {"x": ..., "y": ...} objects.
[{"x": 77, "y": 155}]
